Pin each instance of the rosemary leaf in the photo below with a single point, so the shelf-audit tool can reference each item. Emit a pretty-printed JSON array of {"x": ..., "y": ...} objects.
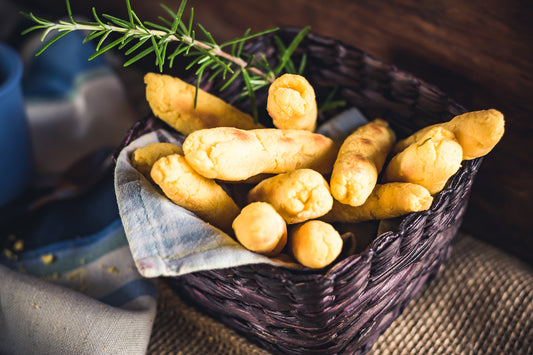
[
  {"x": 95, "y": 15},
  {"x": 189, "y": 29},
  {"x": 117, "y": 21},
  {"x": 179, "y": 50},
  {"x": 159, "y": 60},
  {"x": 251, "y": 94},
  {"x": 31, "y": 29},
  {"x": 125, "y": 41},
  {"x": 217, "y": 72},
  {"x": 156, "y": 26},
  {"x": 198, "y": 80},
  {"x": 102, "y": 40},
  {"x": 130, "y": 13},
  {"x": 52, "y": 41},
  {"x": 286, "y": 56},
  {"x": 177, "y": 16},
  {"x": 230, "y": 80},
  {"x": 136, "y": 46},
  {"x": 139, "y": 56},
  {"x": 303, "y": 62},
  {"x": 92, "y": 35},
  {"x": 207, "y": 34},
  {"x": 170, "y": 12},
  {"x": 69, "y": 11},
  {"x": 106, "y": 48}
]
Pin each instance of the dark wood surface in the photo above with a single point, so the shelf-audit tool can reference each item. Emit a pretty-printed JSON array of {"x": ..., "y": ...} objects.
[{"x": 479, "y": 52}]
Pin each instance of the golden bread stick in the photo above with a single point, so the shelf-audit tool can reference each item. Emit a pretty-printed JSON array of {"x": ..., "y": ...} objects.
[
  {"x": 232, "y": 154},
  {"x": 261, "y": 229},
  {"x": 291, "y": 103},
  {"x": 359, "y": 162},
  {"x": 429, "y": 161},
  {"x": 386, "y": 201},
  {"x": 172, "y": 100},
  {"x": 202, "y": 196},
  {"x": 315, "y": 244},
  {"x": 298, "y": 195},
  {"x": 477, "y": 132},
  {"x": 143, "y": 158}
]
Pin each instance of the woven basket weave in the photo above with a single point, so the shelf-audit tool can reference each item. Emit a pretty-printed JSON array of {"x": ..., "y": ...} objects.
[{"x": 344, "y": 308}]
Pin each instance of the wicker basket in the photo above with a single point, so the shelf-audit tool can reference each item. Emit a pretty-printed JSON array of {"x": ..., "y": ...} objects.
[{"x": 344, "y": 308}]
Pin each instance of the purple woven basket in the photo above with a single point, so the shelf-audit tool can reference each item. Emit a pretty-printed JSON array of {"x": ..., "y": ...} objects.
[{"x": 345, "y": 307}]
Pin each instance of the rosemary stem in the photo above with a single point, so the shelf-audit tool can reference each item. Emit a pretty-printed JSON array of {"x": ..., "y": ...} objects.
[{"x": 215, "y": 50}]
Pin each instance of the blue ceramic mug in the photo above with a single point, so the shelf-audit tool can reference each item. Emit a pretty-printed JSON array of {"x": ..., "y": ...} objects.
[{"x": 15, "y": 142}]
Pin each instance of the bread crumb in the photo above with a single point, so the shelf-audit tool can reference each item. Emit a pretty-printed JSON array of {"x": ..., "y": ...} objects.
[
  {"x": 10, "y": 255},
  {"x": 18, "y": 246},
  {"x": 51, "y": 277},
  {"x": 35, "y": 305},
  {"x": 48, "y": 258},
  {"x": 73, "y": 275},
  {"x": 112, "y": 270}
]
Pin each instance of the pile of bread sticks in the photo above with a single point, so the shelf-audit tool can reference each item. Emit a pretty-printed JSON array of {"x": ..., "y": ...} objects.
[{"x": 297, "y": 183}]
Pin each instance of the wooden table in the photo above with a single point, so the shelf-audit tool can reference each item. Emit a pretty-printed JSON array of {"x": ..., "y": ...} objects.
[{"x": 479, "y": 52}]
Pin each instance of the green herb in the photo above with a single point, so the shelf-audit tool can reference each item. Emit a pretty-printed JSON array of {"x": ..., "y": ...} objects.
[
  {"x": 330, "y": 104},
  {"x": 140, "y": 38}
]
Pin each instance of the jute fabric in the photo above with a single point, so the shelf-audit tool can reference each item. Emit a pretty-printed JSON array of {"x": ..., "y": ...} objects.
[{"x": 481, "y": 303}]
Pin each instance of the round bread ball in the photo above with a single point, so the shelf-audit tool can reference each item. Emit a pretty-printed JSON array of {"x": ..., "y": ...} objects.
[
  {"x": 315, "y": 244},
  {"x": 261, "y": 229}
]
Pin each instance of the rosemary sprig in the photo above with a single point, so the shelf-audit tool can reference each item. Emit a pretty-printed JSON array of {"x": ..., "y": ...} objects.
[
  {"x": 329, "y": 102},
  {"x": 141, "y": 38}
]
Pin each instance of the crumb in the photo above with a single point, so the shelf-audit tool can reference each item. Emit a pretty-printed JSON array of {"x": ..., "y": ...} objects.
[
  {"x": 112, "y": 270},
  {"x": 51, "y": 277},
  {"x": 73, "y": 275},
  {"x": 18, "y": 246},
  {"x": 48, "y": 258},
  {"x": 35, "y": 305},
  {"x": 12, "y": 237},
  {"x": 10, "y": 255}
]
